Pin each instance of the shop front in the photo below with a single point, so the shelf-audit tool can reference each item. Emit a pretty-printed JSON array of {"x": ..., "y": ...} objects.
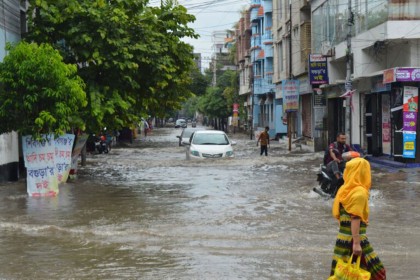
[
  {"x": 395, "y": 115},
  {"x": 379, "y": 136}
]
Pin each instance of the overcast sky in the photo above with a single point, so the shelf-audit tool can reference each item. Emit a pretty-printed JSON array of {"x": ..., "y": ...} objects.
[{"x": 212, "y": 16}]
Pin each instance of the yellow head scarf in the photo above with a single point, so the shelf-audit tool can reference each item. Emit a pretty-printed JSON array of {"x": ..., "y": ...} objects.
[{"x": 354, "y": 193}]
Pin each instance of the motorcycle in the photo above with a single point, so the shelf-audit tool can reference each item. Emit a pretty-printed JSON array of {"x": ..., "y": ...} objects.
[
  {"x": 328, "y": 183},
  {"x": 101, "y": 145}
]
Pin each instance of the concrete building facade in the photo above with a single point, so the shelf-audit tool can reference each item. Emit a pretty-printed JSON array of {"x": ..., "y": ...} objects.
[
  {"x": 384, "y": 61},
  {"x": 264, "y": 104},
  {"x": 292, "y": 46}
]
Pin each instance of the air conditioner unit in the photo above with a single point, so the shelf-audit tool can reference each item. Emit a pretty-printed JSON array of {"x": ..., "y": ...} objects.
[{"x": 327, "y": 49}]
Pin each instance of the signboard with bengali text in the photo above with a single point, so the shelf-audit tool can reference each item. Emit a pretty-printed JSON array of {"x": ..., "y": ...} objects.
[
  {"x": 318, "y": 69},
  {"x": 290, "y": 89},
  {"x": 401, "y": 74},
  {"x": 40, "y": 165},
  {"x": 63, "y": 147}
]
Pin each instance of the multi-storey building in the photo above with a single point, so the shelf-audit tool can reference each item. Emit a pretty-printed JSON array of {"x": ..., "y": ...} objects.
[
  {"x": 263, "y": 91},
  {"x": 384, "y": 68},
  {"x": 220, "y": 60},
  {"x": 243, "y": 61},
  {"x": 292, "y": 46},
  {"x": 12, "y": 25}
]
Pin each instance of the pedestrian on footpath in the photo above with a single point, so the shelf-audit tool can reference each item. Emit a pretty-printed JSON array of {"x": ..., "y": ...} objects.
[
  {"x": 351, "y": 209},
  {"x": 264, "y": 140}
]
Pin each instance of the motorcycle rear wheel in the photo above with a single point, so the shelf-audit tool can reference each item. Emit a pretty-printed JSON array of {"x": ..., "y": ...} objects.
[{"x": 326, "y": 187}]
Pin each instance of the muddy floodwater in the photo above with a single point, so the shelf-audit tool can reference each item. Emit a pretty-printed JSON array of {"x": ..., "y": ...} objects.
[{"x": 144, "y": 212}]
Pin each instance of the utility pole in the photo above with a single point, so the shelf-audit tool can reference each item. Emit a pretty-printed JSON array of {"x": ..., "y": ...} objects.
[
  {"x": 251, "y": 98},
  {"x": 348, "y": 85},
  {"x": 214, "y": 80},
  {"x": 288, "y": 113}
]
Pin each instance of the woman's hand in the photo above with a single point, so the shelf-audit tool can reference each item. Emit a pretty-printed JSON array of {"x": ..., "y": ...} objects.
[
  {"x": 355, "y": 228},
  {"x": 357, "y": 249}
]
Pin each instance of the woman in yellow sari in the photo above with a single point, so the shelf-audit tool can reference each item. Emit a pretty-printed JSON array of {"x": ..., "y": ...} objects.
[{"x": 351, "y": 208}]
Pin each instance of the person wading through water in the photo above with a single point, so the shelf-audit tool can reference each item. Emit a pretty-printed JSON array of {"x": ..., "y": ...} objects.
[{"x": 264, "y": 141}]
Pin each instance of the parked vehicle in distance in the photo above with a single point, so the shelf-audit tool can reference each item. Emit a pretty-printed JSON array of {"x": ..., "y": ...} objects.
[
  {"x": 193, "y": 123},
  {"x": 180, "y": 123},
  {"x": 185, "y": 135},
  {"x": 209, "y": 144}
]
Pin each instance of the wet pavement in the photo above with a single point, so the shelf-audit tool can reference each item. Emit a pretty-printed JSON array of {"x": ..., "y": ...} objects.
[{"x": 144, "y": 212}]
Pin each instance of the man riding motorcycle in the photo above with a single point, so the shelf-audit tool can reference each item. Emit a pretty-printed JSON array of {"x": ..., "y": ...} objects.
[
  {"x": 329, "y": 185},
  {"x": 334, "y": 160}
]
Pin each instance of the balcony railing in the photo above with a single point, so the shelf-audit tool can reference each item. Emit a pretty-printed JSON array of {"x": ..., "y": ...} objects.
[
  {"x": 269, "y": 51},
  {"x": 263, "y": 85},
  {"x": 267, "y": 37},
  {"x": 256, "y": 40},
  {"x": 269, "y": 78}
]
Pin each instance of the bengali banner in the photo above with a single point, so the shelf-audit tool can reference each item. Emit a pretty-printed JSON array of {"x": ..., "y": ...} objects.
[
  {"x": 39, "y": 157},
  {"x": 42, "y": 181},
  {"x": 63, "y": 148}
]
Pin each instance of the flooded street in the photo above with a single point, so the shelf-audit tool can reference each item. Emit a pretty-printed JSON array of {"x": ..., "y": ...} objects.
[{"x": 144, "y": 212}]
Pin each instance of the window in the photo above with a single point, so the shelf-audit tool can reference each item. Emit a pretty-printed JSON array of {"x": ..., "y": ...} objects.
[{"x": 330, "y": 19}]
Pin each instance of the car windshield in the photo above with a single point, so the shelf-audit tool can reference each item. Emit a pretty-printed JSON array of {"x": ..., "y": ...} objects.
[{"x": 210, "y": 139}]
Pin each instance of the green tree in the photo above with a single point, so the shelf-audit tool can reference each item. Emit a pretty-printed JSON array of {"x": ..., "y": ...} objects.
[
  {"x": 218, "y": 101},
  {"x": 199, "y": 83},
  {"x": 130, "y": 55},
  {"x": 40, "y": 94}
]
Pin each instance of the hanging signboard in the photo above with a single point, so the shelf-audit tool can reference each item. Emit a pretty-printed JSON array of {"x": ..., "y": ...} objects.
[
  {"x": 320, "y": 99},
  {"x": 318, "y": 69},
  {"x": 290, "y": 95}
]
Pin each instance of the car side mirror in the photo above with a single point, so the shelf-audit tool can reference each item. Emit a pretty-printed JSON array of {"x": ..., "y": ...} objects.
[{"x": 233, "y": 143}]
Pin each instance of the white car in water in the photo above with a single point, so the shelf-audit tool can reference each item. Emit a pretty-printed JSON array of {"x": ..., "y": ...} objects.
[{"x": 209, "y": 144}]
